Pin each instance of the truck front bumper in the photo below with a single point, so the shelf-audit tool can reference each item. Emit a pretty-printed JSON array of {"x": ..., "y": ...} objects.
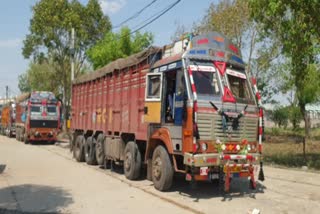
[{"x": 216, "y": 159}]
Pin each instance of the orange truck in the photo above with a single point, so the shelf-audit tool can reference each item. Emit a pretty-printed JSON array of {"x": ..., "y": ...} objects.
[
  {"x": 38, "y": 117},
  {"x": 8, "y": 118},
  {"x": 188, "y": 108}
]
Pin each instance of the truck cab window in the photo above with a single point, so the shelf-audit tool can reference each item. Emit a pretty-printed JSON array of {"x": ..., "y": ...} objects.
[
  {"x": 238, "y": 85},
  {"x": 154, "y": 83},
  {"x": 35, "y": 110},
  {"x": 206, "y": 83},
  {"x": 51, "y": 109}
]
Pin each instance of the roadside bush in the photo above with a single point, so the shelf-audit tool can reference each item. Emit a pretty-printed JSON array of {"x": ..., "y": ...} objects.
[
  {"x": 280, "y": 116},
  {"x": 295, "y": 116}
]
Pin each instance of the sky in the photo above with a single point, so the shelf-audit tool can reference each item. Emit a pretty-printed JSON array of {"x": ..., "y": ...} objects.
[{"x": 15, "y": 18}]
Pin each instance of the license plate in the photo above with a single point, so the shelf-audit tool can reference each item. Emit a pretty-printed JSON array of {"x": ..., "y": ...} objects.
[
  {"x": 232, "y": 169},
  {"x": 214, "y": 176},
  {"x": 204, "y": 170}
]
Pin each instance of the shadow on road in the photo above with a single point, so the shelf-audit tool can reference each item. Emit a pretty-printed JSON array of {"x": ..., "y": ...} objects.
[
  {"x": 205, "y": 190},
  {"x": 25, "y": 199},
  {"x": 2, "y": 168}
]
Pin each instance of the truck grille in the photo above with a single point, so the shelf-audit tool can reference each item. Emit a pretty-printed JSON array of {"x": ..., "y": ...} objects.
[
  {"x": 210, "y": 128},
  {"x": 43, "y": 124}
]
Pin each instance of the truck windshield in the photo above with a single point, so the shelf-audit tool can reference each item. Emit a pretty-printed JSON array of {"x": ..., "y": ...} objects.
[
  {"x": 52, "y": 110},
  {"x": 239, "y": 85},
  {"x": 206, "y": 80},
  {"x": 35, "y": 110}
]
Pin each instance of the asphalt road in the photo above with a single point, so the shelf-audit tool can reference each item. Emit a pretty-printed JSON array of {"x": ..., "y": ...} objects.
[{"x": 45, "y": 178}]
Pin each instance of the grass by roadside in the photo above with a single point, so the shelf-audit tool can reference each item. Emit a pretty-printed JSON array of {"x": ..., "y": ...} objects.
[{"x": 284, "y": 147}]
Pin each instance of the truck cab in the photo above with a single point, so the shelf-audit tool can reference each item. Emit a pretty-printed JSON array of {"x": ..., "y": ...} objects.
[{"x": 203, "y": 98}]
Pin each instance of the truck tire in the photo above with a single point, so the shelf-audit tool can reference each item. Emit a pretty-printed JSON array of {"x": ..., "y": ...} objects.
[
  {"x": 132, "y": 161},
  {"x": 100, "y": 156},
  {"x": 17, "y": 134},
  {"x": 78, "y": 149},
  {"x": 162, "y": 170},
  {"x": 25, "y": 139},
  {"x": 89, "y": 151},
  {"x": 21, "y": 137}
]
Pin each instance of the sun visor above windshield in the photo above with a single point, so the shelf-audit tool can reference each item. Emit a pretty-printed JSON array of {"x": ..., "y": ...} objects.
[
  {"x": 236, "y": 73},
  {"x": 202, "y": 68}
]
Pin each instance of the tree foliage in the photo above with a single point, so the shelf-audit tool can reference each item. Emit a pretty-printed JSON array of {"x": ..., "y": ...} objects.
[
  {"x": 41, "y": 77},
  {"x": 295, "y": 116},
  {"x": 118, "y": 45},
  {"x": 23, "y": 83},
  {"x": 50, "y": 36},
  {"x": 296, "y": 25},
  {"x": 280, "y": 116}
]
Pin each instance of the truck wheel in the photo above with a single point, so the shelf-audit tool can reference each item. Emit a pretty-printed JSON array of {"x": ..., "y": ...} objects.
[
  {"x": 17, "y": 134},
  {"x": 25, "y": 139},
  {"x": 132, "y": 161},
  {"x": 162, "y": 170},
  {"x": 21, "y": 137},
  {"x": 99, "y": 150},
  {"x": 78, "y": 152},
  {"x": 89, "y": 152}
]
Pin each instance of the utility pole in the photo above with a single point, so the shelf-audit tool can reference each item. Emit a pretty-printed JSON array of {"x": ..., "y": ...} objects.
[
  {"x": 72, "y": 57},
  {"x": 7, "y": 93},
  {"x": 72, "y": 74}
]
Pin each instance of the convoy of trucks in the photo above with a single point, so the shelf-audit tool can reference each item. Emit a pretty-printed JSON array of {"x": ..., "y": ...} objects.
[
  {"x": 32, "y": 117},
  {"x": 187, "y": 108}
]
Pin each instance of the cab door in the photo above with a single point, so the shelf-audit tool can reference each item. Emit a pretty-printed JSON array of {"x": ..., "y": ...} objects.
[{"x": 152, "y": 108}]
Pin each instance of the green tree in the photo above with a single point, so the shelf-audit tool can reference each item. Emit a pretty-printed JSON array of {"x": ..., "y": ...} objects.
[
  {"x": 232, "y": 18},
  {"x": 296, "y": 25},
  {"x": 40, "y": 77},
  {"x": 280, "y": 116},
  {"x": 118, "y": 45},
  {"x": 50, "y": 36},
  {"x": 295, "y": 116},
  {"x": 23, "y": 83}
]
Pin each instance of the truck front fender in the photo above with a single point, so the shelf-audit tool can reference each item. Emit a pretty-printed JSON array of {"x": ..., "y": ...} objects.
[{"x": 160, "y": 136}]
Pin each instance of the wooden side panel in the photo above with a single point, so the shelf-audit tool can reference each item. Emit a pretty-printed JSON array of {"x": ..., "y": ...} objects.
[
  {"x": 113, "y": 103},
  {"x": 142, "y": 129},
  {"x": 125, "y": 102}
]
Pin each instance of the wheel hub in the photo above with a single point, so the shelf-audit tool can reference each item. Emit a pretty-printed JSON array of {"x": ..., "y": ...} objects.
[
  {"x": 128, "y": 161},
  {"x": 157, "y": 168}
]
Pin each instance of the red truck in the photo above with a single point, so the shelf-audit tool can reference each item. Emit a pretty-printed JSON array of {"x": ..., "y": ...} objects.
[
  {"x": 38, "y": 117},
  {"x": 186, "y": 108}
]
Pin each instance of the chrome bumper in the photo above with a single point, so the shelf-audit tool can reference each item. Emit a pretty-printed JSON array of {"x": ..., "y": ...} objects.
[{"x": 215, "y": 159}]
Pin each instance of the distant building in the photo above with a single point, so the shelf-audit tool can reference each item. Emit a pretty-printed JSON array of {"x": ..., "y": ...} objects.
[{"x": 313, "y": 111}]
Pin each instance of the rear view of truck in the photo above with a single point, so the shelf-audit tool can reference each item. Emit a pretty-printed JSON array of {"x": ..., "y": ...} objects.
[
  {"x": 38, "y": 117},
  {"x": 8, "y": 119}
]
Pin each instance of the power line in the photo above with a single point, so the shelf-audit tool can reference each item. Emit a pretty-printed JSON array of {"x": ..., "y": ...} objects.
[
  {"x": 135, "y": 15},
  {"x": 150, "y": 20},
  {"x": 156, "y": 17}
]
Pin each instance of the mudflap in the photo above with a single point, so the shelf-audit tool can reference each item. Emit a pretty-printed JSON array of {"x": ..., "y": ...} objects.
[
  {"x": 261, "y": 174},
  {"x": 253, "y": 183}
]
